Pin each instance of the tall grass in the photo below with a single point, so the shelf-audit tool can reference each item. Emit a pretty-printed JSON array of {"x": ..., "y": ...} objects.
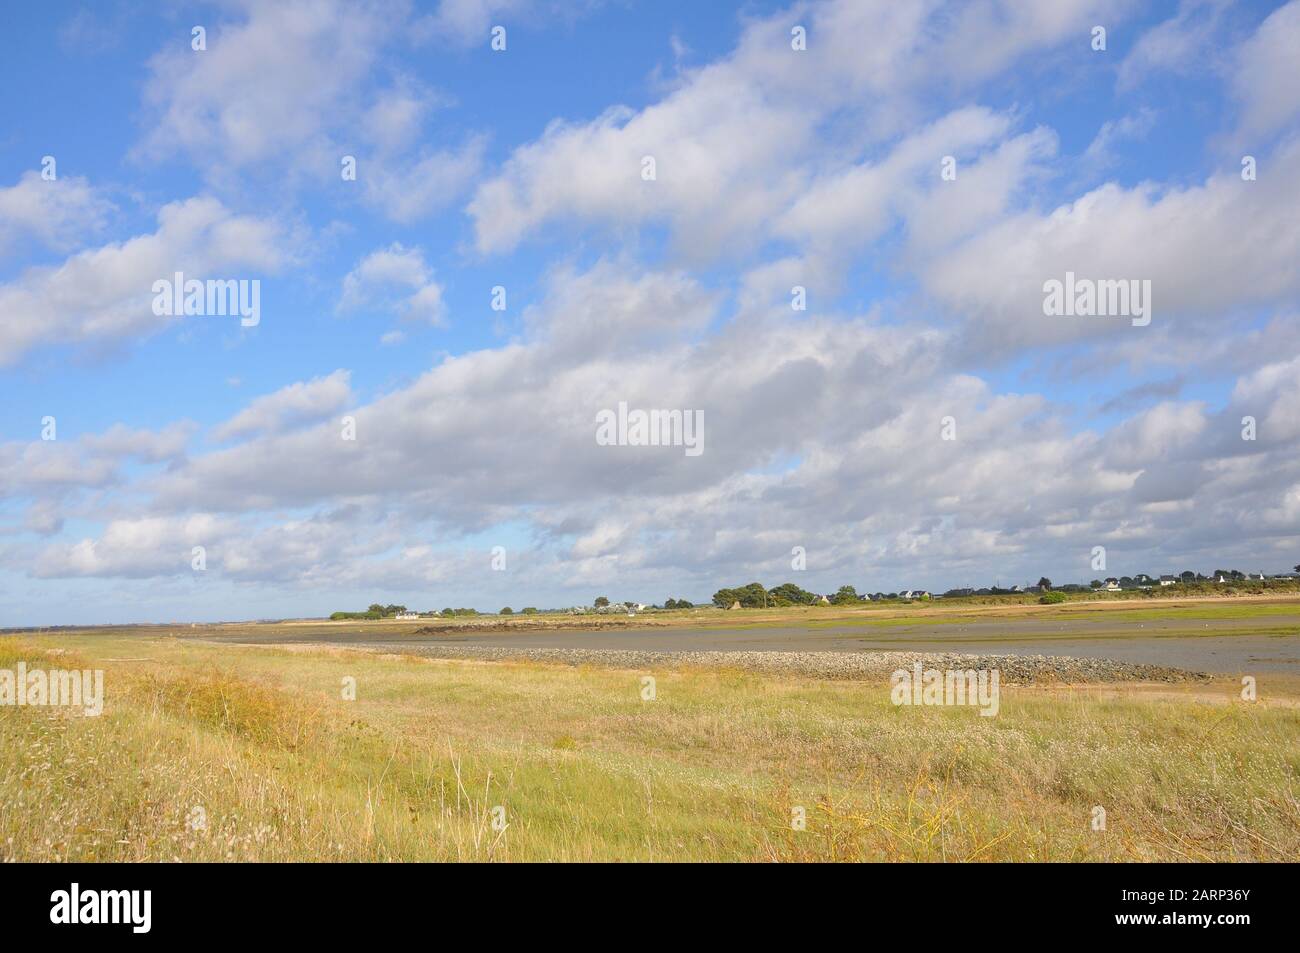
[{"x": 229, "y": 753}]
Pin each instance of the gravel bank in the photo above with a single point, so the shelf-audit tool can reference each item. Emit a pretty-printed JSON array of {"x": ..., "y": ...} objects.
[{"x": 1013, "y": 669}]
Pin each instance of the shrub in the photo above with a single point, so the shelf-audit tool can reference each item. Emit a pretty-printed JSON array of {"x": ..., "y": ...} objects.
[{"x": 1051, "y": 598}]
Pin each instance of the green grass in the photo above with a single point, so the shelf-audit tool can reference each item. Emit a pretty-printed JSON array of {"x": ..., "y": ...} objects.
[
  {"x": 1077, "y": 611},
  {"x": 1206, "y": 611},
  {"x": 282, "y": 768}
]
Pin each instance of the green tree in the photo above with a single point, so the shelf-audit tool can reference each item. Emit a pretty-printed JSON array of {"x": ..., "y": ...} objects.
[
  {"x": 788, "y": 594},
  {"x": 1045, "y": 583},
  {"x": 752, "y": 596},
  {"x": 847, "y": 595},
  {"x": 602, "y": 601},
  {"x": 507, "y": 611}
]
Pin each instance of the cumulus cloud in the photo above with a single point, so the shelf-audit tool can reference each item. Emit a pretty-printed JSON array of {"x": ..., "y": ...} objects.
[
  {"x": 781, "y": 104},
  {"x": 105, "y": 295},
  {"x": 395, "y": 279},
  {"x": 822, "y": 433},
  {"x": 294, "y": 405},
  {"x": 289, "y": 90},
  {"x": 271, "y": 88},
  {"x": 58, "y": 213},
  {"x": 822, "y": 428},
  {"x": 137, "y": 548},
  {"x": 408, "y": 188},
  {"x": 1266, "y": 74},
  {"x": 1209, "y": 251},
  {"x": 149, "y": 446}
]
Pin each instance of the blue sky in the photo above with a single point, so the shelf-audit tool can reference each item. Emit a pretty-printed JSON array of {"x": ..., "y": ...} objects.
[{"x": 518, "y": 168}]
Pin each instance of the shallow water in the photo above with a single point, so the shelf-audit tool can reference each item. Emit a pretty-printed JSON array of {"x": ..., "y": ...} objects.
[{"x": 1227, "y": 646}]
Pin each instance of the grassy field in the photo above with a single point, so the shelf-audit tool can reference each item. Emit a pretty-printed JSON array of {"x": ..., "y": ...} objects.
[{"x": 211, "y": 752}]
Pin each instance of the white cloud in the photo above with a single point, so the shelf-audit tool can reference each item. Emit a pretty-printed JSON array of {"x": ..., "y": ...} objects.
[
  {"x": 822, "y": 429},
  {"x": 466, "y": 22},
  {"x": 59, "y": 213},
  {"x": 1266, "y": 78},
  {"x": 1136, "y": 125},
  {"x": 291, "y": 406},
  {"x": 1186, "y": 42},
  {"x": 286, "y": 93},
  {"x": 396, "y": 279},
  {"x": 1209, "y": 250},
  {"x": 406, "y": 189},
  {"x": 271, "y": 90},
  {"x": 867, "y": 485},
  {"x": 785, "y": 107},
  {"x": 133, "y": 548},
  {"x": 149, "y": 446},
  {"x": 104, "y": 295}
]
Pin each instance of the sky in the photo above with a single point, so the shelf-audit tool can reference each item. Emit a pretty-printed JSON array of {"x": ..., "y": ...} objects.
[{"x": 825, "y": 230}]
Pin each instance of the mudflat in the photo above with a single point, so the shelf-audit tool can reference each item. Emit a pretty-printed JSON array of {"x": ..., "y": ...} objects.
[{"x": 1218, "y": 636}]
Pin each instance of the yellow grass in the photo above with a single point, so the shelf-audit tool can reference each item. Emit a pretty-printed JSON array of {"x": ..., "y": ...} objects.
[{"x": 211, "y": 752}]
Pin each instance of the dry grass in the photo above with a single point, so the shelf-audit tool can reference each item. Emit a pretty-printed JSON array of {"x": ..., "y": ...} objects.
[{"x": 259, "y": 745}]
